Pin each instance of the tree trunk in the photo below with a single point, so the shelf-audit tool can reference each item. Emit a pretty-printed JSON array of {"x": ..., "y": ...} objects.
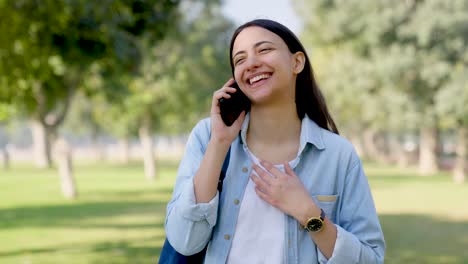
[
  {"x": 45, "y": 121},
  {"x": 371, "y": 145},
  {"x": 5, "y": 158},
  {"x": 397, "y": 152},
  {"x": 383, "y": 148},
  {"x": 459, "y": 171},
  {"x": 98, "y": 148},
  {"x": 358, "y": 142},
  {"x": 64, "y": 162},
  {"x": 428, "y": 151},
  {"x": 41, "y": 144},
  {"x": 123, "y": 151},
  {"x": 148, "y": 151}
]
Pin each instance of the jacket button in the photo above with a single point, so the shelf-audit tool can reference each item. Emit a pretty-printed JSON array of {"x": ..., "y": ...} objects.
[
  {"x": 236, "y": 202},
  {"x": 227, "y": 237},
  {"x": 245, "y": 169}
]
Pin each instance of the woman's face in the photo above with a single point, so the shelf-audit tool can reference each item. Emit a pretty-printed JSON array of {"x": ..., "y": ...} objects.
[{"x": 264, "y": 67}]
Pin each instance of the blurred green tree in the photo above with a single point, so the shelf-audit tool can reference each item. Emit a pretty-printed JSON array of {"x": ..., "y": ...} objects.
[
  {"x": 403, "y": 60},
  {"x": 6, "y": 113},
  {"x": 452, "y": 108},
  {"x": 47, "y": 47},
  {"x": 173, "y": 84}
]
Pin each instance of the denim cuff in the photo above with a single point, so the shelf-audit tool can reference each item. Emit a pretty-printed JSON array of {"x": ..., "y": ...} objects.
[
  {"x": 347, "y": 248},
  {"x": 196, "y": 212}
]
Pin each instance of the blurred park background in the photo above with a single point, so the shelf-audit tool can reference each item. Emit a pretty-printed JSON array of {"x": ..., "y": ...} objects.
[{"x": 97, "y": 99}]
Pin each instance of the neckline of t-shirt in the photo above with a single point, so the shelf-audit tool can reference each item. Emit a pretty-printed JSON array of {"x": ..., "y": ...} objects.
[{"x": 292, "y": 163}]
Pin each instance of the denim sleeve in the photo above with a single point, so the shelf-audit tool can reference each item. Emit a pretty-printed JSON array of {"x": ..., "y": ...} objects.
[
  {"x": 189, "y": 224},
  {"x": 359, "y": 237}
]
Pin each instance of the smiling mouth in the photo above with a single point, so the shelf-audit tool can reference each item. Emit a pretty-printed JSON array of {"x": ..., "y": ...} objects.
[{"x": 259, "y": 78}]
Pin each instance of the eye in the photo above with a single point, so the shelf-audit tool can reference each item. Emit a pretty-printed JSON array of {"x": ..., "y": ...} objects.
[
  {"x": 237, "y": 61},
  {"x": 265, "y": 50}
]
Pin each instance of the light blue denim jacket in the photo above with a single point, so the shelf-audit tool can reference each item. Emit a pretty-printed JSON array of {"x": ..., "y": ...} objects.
[{"x": 329, "y": 168}]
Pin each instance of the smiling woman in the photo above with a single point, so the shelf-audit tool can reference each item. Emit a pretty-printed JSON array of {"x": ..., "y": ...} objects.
[
  {"x": 295, "y": 191},
  {"x": 263, "y": 68}
]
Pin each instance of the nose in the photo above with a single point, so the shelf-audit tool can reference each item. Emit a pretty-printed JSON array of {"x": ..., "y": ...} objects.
[{"x": 252, "y": 62}]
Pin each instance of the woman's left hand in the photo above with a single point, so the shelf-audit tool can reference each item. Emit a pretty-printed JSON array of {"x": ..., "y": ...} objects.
[{"x": 283, "y": 190}]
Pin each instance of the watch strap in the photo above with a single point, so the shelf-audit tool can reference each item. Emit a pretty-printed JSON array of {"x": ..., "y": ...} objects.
[{"x": 322, "y": 214}]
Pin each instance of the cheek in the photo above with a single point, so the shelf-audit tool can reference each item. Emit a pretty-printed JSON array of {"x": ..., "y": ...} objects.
[
  {"x": 286, "y": 66},
  {"x": 237, "y": 74}
]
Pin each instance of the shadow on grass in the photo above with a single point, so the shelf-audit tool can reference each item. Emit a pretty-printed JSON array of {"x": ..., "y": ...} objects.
[
  {"x": 145, "y": 249},
  {"x": 424, "y": 239},
  {"x": 134, "y": 251},
  {"x": 395, "y": 180},
  {"x": 410, "y": 238},
  {"x": 72, "y": 214},
  {"x": 126, "y": 253},
  {"x": 392, "y": 181},
  {"x": 111, "y": 194}
]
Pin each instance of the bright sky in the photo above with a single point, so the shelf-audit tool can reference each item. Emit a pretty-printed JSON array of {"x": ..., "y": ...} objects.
[{"x": 279, "y": 10}]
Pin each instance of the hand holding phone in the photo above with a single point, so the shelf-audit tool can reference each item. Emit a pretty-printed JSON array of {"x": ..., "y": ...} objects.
[{"x": 232, "y": 107}]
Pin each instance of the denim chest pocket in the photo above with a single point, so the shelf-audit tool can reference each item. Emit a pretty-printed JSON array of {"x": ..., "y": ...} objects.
[{"x": 328, "y": 204}]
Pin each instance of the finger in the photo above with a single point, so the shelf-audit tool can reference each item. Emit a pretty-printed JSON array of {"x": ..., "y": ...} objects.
[
  {"x": 230, "y": 82},
  {"x": 265, "y": 176},
  {"x": 221, "y": 93},
  {"x": 215, "y": 105},
  {"x": 259, "y": 183},
  {"x": 272, "y": 169},
  {"x": 289, "y": 171},
  {"x": 265, "y": 196},
  {"x": 229, "y": 89},
  {"x": 240, "y": 120},
  {"x": 224, "y": 92}
]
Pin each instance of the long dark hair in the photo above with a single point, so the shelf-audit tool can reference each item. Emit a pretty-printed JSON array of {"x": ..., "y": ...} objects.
[{"x": 309, "y": 98}]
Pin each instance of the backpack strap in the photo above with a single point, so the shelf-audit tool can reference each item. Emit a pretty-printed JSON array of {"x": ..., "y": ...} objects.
[{"x": 222, "y": 175}]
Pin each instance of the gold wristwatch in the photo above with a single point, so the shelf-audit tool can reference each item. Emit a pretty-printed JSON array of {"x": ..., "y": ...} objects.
[{"x": 316, "y": 223}]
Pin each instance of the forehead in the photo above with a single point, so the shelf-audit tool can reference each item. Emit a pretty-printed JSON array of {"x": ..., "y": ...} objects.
[{"x": 249, "y": 36}]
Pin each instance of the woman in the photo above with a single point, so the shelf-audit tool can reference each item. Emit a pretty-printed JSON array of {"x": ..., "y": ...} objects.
[{"x": 294, "y": 191}]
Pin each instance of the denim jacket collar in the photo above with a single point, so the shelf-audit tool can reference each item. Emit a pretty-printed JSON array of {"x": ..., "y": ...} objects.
[{"x": 310, "y": 133}]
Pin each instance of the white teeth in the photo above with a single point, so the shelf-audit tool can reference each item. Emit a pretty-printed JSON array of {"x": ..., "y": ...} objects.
[{"x": 259, "y": 77}]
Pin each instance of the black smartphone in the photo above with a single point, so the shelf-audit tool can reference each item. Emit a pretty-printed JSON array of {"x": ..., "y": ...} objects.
[{"x": 232, "y": 107}]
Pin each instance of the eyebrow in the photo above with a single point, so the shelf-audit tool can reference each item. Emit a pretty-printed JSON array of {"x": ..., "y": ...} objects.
[{"x": 256, "y": 45}]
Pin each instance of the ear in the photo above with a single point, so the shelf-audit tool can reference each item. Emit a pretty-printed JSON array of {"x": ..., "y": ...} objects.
[{"x": 298, "y": 62}]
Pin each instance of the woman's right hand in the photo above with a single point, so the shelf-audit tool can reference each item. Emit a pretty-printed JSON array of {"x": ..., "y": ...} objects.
[{"x": 220, "y": 132}]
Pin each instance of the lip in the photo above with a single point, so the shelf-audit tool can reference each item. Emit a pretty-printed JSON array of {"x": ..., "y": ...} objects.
[
  {"x": 259, "y": 83},
  {"x": 250, "y": 76}
]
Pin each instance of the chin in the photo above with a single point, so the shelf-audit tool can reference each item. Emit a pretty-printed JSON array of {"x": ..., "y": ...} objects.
[{"x": 261, "y": 99}]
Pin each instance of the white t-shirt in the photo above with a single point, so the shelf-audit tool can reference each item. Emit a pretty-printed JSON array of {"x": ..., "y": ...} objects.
[{"x": 260, "y": 230}]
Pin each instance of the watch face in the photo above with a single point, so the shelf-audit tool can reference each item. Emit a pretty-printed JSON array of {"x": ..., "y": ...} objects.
[{"x": 314, "y": 224}]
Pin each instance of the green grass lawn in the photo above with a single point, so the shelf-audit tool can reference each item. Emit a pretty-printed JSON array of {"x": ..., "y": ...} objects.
[
  {"x": 119, "y": 216},
  {"x": 424, "y": 219}
]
